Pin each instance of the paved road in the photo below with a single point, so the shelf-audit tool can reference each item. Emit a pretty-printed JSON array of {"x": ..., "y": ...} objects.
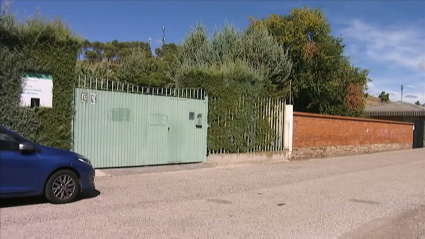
[{"x": 369, "y": 196}]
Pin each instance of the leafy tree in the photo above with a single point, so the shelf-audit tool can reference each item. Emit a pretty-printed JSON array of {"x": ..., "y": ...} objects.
[
  {"x": 384, "y": 97},
  {"x": 254, "y": 49},
  {"x": 142, "y": 69},
  {"x": 106, "y": 70},
  {"x": 234, "y": 67},
  {"x": 323, "y": 80},
  {"x": 167, "y": 51},
  {"x": 417, "y": 103},
  {"x": 111, "y": 51}
]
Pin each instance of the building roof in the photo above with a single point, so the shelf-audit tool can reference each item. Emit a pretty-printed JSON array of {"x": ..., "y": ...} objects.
[{"x": 396, "y": 109}]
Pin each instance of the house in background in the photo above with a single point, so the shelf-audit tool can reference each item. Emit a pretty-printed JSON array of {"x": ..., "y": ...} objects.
[{"x": 402, "y": 111}]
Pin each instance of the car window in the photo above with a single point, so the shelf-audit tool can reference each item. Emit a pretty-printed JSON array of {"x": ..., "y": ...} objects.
[{"x": 9, "y": 142}]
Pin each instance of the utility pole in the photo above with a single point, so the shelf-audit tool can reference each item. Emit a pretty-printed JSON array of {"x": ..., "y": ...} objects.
[{"x": 163, "y": 36}]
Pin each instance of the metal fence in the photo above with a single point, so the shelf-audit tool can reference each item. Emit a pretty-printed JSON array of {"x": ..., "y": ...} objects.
[
  {"x": 121, "y": 125},
  {"x": 109, "y": 85},
  {"x": 268, "y": 110}
]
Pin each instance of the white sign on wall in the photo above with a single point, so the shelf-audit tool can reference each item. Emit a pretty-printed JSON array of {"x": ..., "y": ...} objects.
[{"x": 37, "y": 91}]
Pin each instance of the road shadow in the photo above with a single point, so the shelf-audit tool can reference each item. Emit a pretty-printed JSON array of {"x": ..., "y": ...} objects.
[{"x": 25, "y": 201}]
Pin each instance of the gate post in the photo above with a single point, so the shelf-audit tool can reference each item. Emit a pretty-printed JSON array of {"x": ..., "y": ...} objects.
[{"x": 288, "y": 127}]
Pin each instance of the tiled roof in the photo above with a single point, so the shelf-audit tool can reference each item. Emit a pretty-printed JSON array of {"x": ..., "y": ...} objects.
[{"x": 396, "y": 109}]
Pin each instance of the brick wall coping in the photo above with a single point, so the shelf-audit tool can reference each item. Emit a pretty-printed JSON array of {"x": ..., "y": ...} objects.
[{"x": 323, "y": 116}]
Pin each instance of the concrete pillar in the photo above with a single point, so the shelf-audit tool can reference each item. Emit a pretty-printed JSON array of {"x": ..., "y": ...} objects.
[{"x": 288, "y": 127}]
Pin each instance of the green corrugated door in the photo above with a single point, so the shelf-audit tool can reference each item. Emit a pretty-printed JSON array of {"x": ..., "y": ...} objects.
[{"x": 123, "y": 129}]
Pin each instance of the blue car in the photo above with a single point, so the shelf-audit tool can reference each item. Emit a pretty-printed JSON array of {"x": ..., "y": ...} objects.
[{"x": 28, "y": 169}]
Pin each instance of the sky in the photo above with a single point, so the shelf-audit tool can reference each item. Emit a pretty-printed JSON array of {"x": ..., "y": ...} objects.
[{"x": 385, "y": 36}]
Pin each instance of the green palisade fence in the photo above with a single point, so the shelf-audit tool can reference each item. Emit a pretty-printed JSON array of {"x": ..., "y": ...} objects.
[
  {"x": 263, "y": 133},
  {"x": 122, "y": 125}
]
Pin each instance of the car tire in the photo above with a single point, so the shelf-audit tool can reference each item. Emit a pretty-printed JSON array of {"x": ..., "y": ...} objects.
[{"x": 62, "y": 187}]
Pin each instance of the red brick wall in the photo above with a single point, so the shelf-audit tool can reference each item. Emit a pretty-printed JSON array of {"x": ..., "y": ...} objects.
[{"x": 313, "y": 130}]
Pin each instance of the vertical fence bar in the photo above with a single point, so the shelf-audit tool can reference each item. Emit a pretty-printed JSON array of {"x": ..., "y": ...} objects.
[
  {"x": 276, "y": 133},
  {"x": 282, "y": 133},
  {"x": 271, "y": 123},
  {"x": 268, "y": 119}
]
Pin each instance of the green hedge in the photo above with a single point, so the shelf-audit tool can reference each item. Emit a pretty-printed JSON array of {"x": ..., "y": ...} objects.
[
  {"x": 56, "y": 122},
  {"x": 44, "y": 47},
  {"x": 235, "y": 112}
]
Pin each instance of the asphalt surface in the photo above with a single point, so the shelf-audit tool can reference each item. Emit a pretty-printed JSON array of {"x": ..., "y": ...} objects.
[{"x": 368, "y": 196}]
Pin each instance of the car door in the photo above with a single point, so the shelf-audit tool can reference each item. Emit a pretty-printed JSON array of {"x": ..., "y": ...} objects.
[{"x": 19, "y": 172}]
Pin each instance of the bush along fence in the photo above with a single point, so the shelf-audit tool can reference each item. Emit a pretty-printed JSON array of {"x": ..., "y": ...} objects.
[{"x": 254, "y": 125}]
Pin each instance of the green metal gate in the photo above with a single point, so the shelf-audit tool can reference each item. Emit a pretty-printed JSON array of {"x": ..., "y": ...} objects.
[{"x": 122, "y": 125}]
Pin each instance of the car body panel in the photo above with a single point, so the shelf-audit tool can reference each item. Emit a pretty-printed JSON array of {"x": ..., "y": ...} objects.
[{"x": 26, "y": 174}]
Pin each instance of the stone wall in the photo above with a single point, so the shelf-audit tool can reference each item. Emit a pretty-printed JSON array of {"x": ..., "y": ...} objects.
[{"x": 333, "y": 151}]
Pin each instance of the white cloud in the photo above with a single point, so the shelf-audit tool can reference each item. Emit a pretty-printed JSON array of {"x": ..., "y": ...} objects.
[
  {"x": 401, "y": 46},
  {"x": 394, "y": 54},
  {"x": 370, "y": 85}
]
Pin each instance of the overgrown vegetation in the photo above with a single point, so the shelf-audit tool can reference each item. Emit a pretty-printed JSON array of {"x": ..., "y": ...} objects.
[
  {"x": 323, "y": 79},
  {"x": 22, "y": 120},
  {"x": 234, "y": 67},
  {"x": 134, "y": 63},
  {"x": 38, "y": 46}
]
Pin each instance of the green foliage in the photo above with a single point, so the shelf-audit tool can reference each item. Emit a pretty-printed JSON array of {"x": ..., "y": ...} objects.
[
  {"x": 111, "y": 51},
  {"x": 256, "y": 48},
  {"x": 384, "y": 97},
  {"x": 233, "y": 67},
  {"x": 142, "y": 69},
  {"x": 23, "y": 120},
  {"x": 38, "y": 45},
  {"x": 167, "y": 51},
  {"x": 323, "y": 79},
  {"x": 234, "y": 112},
  {"x": 137, "y": 66},
  {"x": 100, "y": 70},
  {"x": 417, "y": 102}
]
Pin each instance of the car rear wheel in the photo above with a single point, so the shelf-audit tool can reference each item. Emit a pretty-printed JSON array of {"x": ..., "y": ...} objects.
[{"x": 62, "y": 187}]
